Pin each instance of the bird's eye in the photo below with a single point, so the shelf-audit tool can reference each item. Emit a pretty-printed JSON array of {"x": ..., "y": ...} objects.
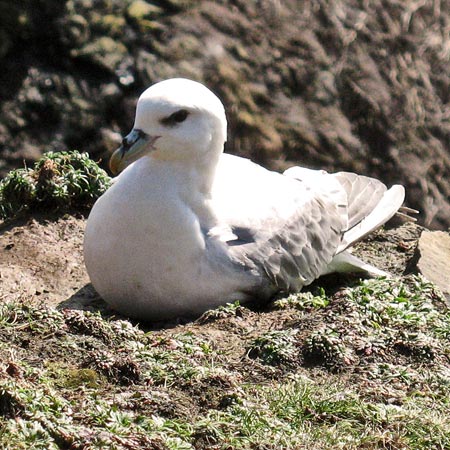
[{"x": 176, "y": 117}]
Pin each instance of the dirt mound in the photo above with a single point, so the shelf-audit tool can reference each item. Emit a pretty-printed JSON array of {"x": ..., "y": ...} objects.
[
  {"x": 340, "y": 85},
  {"x": 42, "y": 259}
]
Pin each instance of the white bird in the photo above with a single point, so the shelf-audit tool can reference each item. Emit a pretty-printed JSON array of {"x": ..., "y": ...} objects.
[{"x": 185, "y": 228}]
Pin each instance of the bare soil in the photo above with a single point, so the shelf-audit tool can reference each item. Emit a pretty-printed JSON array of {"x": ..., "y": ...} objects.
[{"x": 42, "y": 259}]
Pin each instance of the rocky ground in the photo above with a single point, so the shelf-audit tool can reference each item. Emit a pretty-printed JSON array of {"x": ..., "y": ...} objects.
[{"x": 340, "y": 85}]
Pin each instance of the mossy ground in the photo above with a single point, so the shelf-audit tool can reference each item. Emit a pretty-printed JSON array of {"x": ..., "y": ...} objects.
[
  {"x": 368, "y": 369},
  {"x": 347, "y": 364}
]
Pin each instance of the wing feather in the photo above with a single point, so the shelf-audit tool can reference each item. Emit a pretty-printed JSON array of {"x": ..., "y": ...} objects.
[
  {"x": 289, "y": 229},
  {"x": 283, "y": 227}
]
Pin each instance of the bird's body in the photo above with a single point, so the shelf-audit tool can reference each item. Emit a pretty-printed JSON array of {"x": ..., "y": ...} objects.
[
  {"x": 185, "y": 228},
  {"x": 163, "y": 268}
]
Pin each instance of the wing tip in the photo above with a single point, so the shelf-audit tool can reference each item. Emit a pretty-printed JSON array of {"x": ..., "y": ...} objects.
[{"x": 386, "y": 208}]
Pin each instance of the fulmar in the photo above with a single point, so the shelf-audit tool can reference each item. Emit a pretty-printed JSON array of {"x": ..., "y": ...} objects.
[{"x": 185, "y": 228}]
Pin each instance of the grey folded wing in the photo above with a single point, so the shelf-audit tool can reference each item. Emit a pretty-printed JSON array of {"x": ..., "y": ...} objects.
[{"x": 290, "y": 252}]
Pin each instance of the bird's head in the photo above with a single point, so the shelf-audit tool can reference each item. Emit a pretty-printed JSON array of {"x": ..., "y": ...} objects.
[{"x": 176, "y": 119}]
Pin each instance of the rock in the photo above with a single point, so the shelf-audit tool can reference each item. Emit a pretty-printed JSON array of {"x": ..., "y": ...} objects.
[
  {"x": 338, "y": 85},
  {"x": 111, "y": 139},
  {"x": 434, "y": 259},
  {"x": 393, "y": 248},
  {"x": 109, "y": 24},
  {"x": 140, "y": 9},
  {"x": 74, "y": 31},
  {"x": 104, "y": 52}
]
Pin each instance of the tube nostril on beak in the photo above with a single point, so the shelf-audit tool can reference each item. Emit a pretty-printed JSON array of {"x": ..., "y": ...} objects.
[
  {"x": 130, "y": 139},
  {"x": 134, "y": 145}
]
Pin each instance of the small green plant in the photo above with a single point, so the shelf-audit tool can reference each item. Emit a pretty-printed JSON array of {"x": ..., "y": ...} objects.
[
  {"x": 413, "y": 304},
  {"x": 326, "y": 347},
  {"x": 303, "y": 301},
  {"x": 222, "y": 312},
  {"x": 58, "y": 181},
  {"x": 275, "y": 347}
]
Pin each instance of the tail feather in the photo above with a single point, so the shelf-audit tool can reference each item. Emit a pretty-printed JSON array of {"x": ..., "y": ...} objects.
[{"x": 346, "y": 262}]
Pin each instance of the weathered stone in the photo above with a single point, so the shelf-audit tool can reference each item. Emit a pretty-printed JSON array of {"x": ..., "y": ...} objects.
[
  {"x": 140, "y": 9},
  {"x": 345, "y": 86},
  {"x": 105, "y": 52},
  {"x": 110, "y": 139},
  {"x": 74, "y": 31},
  {"x": 110, "y": 24},
  {"x": 434, "y": 259}
]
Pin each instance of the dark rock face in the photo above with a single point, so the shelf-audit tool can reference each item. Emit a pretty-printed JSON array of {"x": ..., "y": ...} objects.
[{"x": 342, "y": 85}]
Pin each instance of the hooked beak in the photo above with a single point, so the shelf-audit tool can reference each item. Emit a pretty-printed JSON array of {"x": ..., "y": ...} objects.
[{"x": 134, "y": 145}]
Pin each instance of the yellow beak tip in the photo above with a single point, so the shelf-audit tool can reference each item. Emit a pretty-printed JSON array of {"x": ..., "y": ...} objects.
[{"x": 115, "y": 162}]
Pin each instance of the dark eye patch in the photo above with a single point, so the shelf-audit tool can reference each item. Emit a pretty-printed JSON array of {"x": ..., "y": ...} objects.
[{"x": 176, "y": 117}]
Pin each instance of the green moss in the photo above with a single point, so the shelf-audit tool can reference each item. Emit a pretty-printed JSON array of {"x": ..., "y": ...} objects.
[{"x": 73, "y": 377}]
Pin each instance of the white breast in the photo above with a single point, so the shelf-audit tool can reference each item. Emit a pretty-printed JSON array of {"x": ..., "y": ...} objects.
[{"x": 145, "y": 251}]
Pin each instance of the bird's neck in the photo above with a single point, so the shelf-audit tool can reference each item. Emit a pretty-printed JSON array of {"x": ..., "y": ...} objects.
[
  {"x": 207, "y": 164},
  {"x": 205, "y": 172},
  {"x": 192, "y": 179},
  {"x": 193, "y": 172}
]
